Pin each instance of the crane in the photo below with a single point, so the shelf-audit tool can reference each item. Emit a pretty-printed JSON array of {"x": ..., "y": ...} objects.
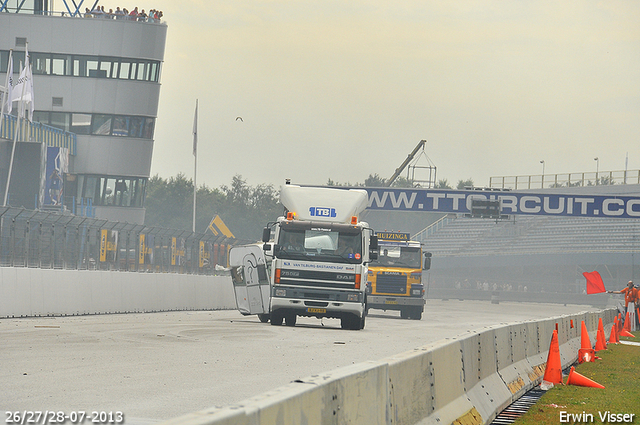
[{"x": 405, "y": 163}]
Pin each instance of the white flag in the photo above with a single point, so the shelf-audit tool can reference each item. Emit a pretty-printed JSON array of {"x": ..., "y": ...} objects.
[
  {"x": 23, "y": 90},
  {"x": 6, "y": 96},
  {"x": 195, "y": 131}
]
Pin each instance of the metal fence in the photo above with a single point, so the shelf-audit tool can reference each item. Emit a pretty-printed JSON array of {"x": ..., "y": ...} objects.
[
  {"x": 41, "y": 239},
  {"x": 600, "y": 178}
]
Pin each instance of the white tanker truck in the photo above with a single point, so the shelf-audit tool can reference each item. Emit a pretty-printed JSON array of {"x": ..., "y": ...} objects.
[{"x": 313, "y": 261}]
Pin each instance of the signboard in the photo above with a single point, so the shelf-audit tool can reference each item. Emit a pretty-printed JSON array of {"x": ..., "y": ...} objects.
[
  {"x": 393, "y": 236},
  {"x": 459, "y": 201},
  {"x": 177, "y": 251},
  {"x": 108, "y": 245},
  {"x": 145, "y": 249}
]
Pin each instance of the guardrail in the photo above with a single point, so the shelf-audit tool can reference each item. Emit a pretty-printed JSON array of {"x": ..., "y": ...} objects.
[{"x": 468, "y": 379}]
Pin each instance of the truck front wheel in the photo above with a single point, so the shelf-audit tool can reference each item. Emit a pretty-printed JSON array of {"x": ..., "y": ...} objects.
[
  {"x": 351, "y": 322},
  {"x": 416, "y": 314},
  {"x": 290, "y": 319},
  {"x": 276, "y": 319}
]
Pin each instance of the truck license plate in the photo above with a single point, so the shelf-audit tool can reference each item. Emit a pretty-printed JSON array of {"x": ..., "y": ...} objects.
[
  {"x": 316, "y": 310},
  {"x": 391, "y": 302}
]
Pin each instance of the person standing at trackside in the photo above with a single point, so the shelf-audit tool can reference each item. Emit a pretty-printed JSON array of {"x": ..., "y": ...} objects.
[{"x": 630, "y": 301}]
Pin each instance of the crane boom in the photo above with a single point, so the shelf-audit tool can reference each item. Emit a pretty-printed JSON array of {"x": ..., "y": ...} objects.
[{"x": 405, "y": 163}]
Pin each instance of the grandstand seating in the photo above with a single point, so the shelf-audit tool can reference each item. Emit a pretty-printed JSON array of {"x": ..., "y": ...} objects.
[{"x": 532, "y": 235}]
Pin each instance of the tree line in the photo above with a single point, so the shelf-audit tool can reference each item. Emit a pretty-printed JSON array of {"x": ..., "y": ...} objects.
[{"x": 245, "y": 209}]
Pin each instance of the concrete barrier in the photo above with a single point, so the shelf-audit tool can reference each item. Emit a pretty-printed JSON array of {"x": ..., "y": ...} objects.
[
  {"x": 468, "y": 379},
  {"x": 40, "y": 292}
]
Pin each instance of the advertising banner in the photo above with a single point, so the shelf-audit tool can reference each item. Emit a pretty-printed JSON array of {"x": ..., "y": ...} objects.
[
  {"x": 55, "y": 169},
  {"x": 108, "y": 245},
  {"x": 459, "y": 201}
]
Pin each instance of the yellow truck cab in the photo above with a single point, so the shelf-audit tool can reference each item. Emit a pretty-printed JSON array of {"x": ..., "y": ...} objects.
[{"x": 395, "y": 278}]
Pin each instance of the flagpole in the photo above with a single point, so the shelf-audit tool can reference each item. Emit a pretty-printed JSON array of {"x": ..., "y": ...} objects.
[
  {"x": 15, "y": 139},
  {"x": 195, "y": 163},
  {"x": 6, "y": 94}
]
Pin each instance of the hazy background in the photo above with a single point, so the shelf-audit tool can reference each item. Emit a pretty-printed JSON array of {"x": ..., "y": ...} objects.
[{"x": 341, "y": 90}]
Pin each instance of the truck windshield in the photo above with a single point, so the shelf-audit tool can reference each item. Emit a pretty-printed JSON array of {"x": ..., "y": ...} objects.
[
  {"x": 397, "y": 256},
  {"x": 321, "y": 244}
]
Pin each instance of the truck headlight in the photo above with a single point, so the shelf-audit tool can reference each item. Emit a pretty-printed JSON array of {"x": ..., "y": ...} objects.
[
  {"x": 416, "y": 292},
  {"x": 352, "y": 297},
  {"x": 281, "y": 292}
]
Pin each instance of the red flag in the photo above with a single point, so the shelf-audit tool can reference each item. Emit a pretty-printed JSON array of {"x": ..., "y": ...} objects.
[{"x": 595, "y": 285}]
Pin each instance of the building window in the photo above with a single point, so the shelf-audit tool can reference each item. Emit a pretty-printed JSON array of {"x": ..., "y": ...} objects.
[
  {"x": 61, "y": 65},
  {"x": 99, "y": 124},
  {"x": 86, "y": 66},
  {"x": 80, "y": 123},
  {"x": 115, "y": 191}
]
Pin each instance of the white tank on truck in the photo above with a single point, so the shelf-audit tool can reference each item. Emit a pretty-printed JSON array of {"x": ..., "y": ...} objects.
[{"x": 319, "y": 254}]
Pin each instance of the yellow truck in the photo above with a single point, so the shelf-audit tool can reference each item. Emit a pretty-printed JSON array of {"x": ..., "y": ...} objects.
[{"x": 395, "y": 278}]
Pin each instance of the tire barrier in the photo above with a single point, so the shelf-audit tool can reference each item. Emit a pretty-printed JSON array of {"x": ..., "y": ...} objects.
[{"x": 464, "y": 380}]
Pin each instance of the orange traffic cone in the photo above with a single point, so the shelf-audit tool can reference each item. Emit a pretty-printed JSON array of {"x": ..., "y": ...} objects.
[
  {"x": 612, "y": 337},
  {"x": 626, "y": 330},
  {"x": 585, "y": 353},
  {"x": 626, "y": 333},
  {"x": 619, "y": 322},
  {"x": 553, "y": 368},
  {"x": 601, "y": 343},
  {"x": 627, "y": 323},
  {"x": 580, "y": 380}
]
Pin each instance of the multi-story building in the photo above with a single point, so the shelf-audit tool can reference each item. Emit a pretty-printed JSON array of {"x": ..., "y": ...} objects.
[{"x": 97, "y": 77}]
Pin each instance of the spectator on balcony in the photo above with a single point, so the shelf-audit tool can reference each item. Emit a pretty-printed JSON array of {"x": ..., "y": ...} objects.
[
  {"x": 133, "y": 15},
  {"x": 97, "y": 12},
  {"x": 119, "y": 14}
]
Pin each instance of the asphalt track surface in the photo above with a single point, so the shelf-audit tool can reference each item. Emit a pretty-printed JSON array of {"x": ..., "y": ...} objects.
[{"x": 157, "y": 366}]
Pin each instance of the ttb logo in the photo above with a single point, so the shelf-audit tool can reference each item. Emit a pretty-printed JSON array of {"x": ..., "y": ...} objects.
[{"x": 322, "y": 212}]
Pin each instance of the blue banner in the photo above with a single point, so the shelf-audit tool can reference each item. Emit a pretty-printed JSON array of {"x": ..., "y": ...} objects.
[{"x": 459, "y": 201}]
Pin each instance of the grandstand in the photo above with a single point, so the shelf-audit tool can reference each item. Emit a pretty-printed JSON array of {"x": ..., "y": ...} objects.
[
  {"x": 531, "y": 235},
  {"x": 536, "y": 254}
]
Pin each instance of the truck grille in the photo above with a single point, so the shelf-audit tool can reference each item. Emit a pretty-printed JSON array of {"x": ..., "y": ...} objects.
[
  {"x": 317, "y": 279},
  {"x": 391, "y": 284}
]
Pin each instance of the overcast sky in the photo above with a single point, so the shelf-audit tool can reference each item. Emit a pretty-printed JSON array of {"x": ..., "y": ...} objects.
[{"x": 343, "y": 89}]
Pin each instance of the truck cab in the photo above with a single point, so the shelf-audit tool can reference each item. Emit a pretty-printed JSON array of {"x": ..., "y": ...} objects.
[
  {"x": 395, "y": 277},
  {"x": 320, "y": 254}
]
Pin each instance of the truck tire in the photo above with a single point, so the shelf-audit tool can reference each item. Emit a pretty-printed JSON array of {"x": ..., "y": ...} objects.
[
  {"x": 416, "y": 314},
  {"x": 362, "y": 320},
  {"x": 350, "y": 321},
  {"x": 264, "y": 318},
  {"x": 290, "y": 319},
  {"x": 405, "y": 313},
  {"x": 276, "y": 319}
]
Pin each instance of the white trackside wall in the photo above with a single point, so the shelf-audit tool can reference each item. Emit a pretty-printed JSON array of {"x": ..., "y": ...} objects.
[
  {"x": 41, "y": 292},
  {"x": 470, "y": 379}
]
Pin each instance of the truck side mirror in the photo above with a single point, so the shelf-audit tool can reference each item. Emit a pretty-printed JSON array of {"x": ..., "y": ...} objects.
[
  {"x": 373, "y": 248},
  {"x": 373, "y": 243},
  {"x": 266, "y": 234},
  {"x": 427, "y": 261}
]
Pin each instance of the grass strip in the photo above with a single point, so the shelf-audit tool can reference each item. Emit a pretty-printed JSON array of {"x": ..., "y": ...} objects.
[{"x": 618, "y": 370}]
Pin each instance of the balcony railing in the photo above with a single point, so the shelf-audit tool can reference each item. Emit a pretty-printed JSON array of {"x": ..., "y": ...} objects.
[
  {"x": 36, "y": 132},
  {"x": 544, "y": 181}
]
